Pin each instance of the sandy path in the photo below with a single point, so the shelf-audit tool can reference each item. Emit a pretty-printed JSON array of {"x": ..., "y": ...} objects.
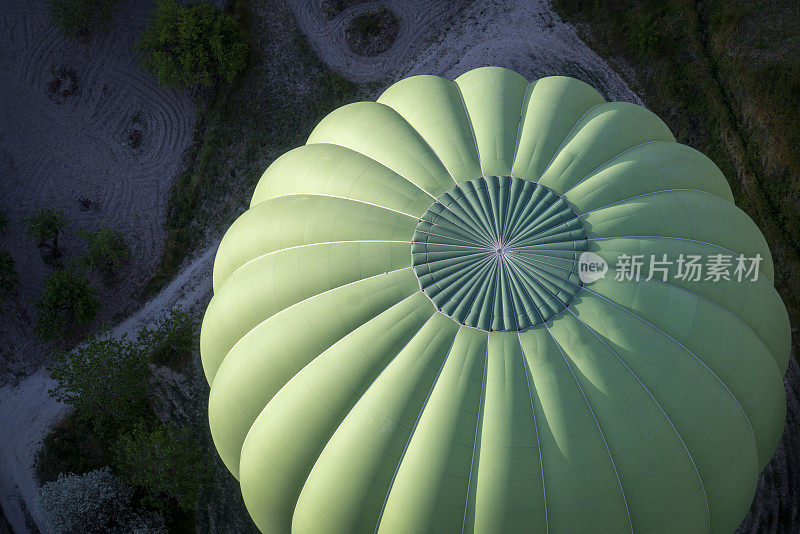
[{"x": 27, "y": 411}]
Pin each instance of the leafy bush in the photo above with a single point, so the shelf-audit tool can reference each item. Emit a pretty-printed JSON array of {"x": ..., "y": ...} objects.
[
  {"x": 95, "y": 502},
  {"x": 44, "y": 227},
  {"x": 106, "y": 250},
  {"x": 104, "y": 379},
  {"x": 165, "y": 462},
  {"x": 171, "y": 341},
  {"x": 77, "y": 18},
  {"x": 8, "y": 276},
  {"x": 73, "y": 446},
  {"x": 193, "y": 45},
  {"x": 66, "y": 301},
  {"x": 372, "y": 32}
]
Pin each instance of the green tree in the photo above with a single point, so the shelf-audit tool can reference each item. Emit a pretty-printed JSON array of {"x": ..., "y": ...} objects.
[
  {"x": 8, "y": 276},
  {"x": 194, "y": 45},
  {"x": 44, "y": 227},
  {"x": 106, "y": 250},
  {"x": 165, "y": 462},
  {"x": 104, "y": 379},
  {"x": 171, "y": 341},
  {"x": 75, "y": 19},
  {"x": 67, "y": 301}
]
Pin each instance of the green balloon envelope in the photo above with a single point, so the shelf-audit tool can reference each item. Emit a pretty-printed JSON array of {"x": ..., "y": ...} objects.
[{"x": 400, "y": 339}]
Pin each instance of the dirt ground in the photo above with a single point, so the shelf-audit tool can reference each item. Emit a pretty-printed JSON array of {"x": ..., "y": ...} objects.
[{"x": 71, "y": 118}]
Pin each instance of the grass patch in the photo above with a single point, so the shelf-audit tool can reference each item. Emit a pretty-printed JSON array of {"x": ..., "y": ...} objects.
[
  {"x": 244, "y": 127},
  {"x": 725, "y": 76}
]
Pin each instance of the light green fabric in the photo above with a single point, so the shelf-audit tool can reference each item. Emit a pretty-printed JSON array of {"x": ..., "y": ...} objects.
[{"x": 398, "y": 340}]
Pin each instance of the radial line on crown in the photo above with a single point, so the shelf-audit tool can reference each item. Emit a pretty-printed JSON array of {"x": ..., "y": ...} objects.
[{"x": 512, "y": 222}]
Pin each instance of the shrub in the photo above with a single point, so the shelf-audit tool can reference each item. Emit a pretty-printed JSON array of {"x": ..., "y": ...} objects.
[
  {"x": 171, "y": 341},
  {"x": 73, "y": 445},
  {"x": 44, "y": 227},
  {"x": 372, "y": 32},
  {"x": 75, "y": 19},
  {"x": 95, "y": 502},
  {"x": 8, "y": 276},
  {"x": 104, "y": 379},
  {"x": 106, "y": 250},
  {"x": 66, "y": 301},
  {"x": 164, "y": 462},
  {"x": 193, "y": 45}
]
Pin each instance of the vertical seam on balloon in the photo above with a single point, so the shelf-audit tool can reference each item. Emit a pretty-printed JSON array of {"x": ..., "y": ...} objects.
[
  {"x": 681, "y": 288},
  {"x": 311, "y": 245},
  {"x": 447, "y": 170},
  {"x": 729, "y": 311},
  {"x": 471, "y": 127},
  {"x": 306, "y": 300},
  {"x": 347, "y": 198},
  {"x": 413, "y": 129},
  {"x": 747, "y": 419},
  {"x": 535, "y": 428},
  {"x": 612, "y": 158},
  {"x": 382, "y": 164},
  {"x": 374, "y": 380},
  {"x": 475, "y": 439},
  {"x": 588, "y": 405},
  {"x": 561, "y": 146},
  {"x": 669, "y": 420},
  {"x": 413, "y": 429},
  {"x": 604, "y": 238},
  {"x": 579, "y": 215},
  {"x": 316, "y": 357},
  {"x": 525, "y": 98}
]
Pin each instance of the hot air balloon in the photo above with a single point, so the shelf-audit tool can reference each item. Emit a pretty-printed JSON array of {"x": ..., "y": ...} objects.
[{"x": 400, "y": 338}]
